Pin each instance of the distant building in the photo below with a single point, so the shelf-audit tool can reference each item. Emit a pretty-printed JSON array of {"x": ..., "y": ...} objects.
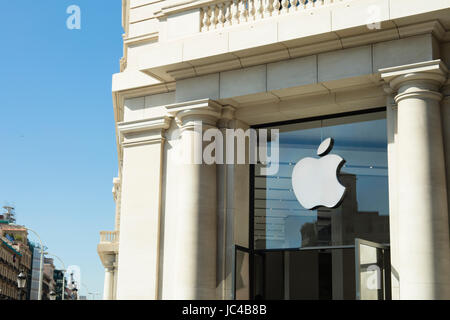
[
  {"x": 9, "y": 215},
  {"x": 15, "y": 257},
  {"x": 58, "y": 276},
  {"x": 48, "y": 283},
  {"x": 9, "y": 269},
  {"x": 34, "y": 279}
]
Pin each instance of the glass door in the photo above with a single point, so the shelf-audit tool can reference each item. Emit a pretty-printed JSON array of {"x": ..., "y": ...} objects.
[
  {"x": 242, "y": 287},
  {"x": 373, "y": 280}
]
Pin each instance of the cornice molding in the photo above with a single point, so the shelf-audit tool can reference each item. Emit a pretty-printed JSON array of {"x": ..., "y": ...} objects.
[
  {"x": 143, "y": 125},
  {"x": 180, "y": 74},
  {"x": 147, "y": 90},
  {"x": 120, "y": 96},
  {"x": 431, "y": 71},
  {"x": 142, "y": 131},
  {"x": 148, "y": 37},
  {"x": 433, "y": 27},
  {"x": 183, "y": 5}
]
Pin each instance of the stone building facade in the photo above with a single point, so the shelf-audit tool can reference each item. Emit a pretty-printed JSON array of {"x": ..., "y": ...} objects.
[{"x": 372, "y": 74}]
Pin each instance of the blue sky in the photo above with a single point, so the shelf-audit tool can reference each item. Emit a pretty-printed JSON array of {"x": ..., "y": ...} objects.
[{"x": 57, "y": 136}]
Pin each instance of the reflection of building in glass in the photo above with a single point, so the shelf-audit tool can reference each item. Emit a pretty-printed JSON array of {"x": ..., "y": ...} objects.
[{"x": 340, "y": 226}]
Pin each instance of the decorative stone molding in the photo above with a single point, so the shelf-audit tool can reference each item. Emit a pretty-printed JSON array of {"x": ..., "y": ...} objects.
[
  {"x": 117, "y": 191},
  {"x": 142, "y": 131},
  {"x": 186, "y": 113},
  {"x": 416, "y": 80},
  {"x": 109, "y": 261},
  {"x": 116, "y": 188},
  {"x": 108, "y": 248},
  {"x": 125, "y": 15},
  {"x": 181, "y": 6},
  {"x": 123, "y": 64},
  {"x": 220, "y": 14}
]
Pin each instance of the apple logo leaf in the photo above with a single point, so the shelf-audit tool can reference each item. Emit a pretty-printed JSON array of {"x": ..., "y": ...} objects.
[{"x": 325, "y": 147}]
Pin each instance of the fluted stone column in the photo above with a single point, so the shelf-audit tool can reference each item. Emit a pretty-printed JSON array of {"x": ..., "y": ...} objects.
[
  {"x": 423, "y": 239},
  {"x": 196, "y": 233}
]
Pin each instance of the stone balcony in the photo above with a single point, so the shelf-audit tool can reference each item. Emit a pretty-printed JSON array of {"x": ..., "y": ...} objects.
[
  {"x": 108, "y": 247},
  {"x": 172, "y": 40}
]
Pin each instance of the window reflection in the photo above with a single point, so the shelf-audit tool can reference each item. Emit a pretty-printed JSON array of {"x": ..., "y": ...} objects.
[{"x": 279, "y": 219}]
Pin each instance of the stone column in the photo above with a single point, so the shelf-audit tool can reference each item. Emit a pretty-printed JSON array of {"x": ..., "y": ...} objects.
[
  {"x": 109, "y": 262},
  {"x": 140, "y": 208},
  {"x": 109, "y": 284},
  {"x": 196, "y": 233},
  {"x": 423, "y": 239},
  {"x": 445, "y": 111}
]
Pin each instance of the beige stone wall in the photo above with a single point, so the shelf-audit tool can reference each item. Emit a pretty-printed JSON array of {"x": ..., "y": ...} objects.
[{"x": 268, "y": 70}]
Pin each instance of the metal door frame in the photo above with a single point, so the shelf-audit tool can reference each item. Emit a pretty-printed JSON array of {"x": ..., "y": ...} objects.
[{"x": 381, "y": 246}]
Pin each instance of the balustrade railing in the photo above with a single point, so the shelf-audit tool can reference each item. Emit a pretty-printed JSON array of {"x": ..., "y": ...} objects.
[
  {"x": 235, "y": 12},
  {"x": 109, "y": 236}
]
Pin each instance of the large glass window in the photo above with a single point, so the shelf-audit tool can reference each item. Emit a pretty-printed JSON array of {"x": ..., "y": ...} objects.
[{"x": 280, "y": 221}]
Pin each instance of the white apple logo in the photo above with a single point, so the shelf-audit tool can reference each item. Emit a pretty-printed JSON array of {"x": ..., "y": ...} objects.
[{"x": 315, "y": 181}]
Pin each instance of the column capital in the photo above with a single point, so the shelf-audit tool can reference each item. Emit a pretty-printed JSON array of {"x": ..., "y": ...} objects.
[
  {"x": 420, "y": 80},
  {"x": 109, "y": 260},
  {"x": 144, "y": 131},
  {"x": 110, "y": 269},
  {"x": 205, "y": 110},
  {"x": 432, "y": 71}
]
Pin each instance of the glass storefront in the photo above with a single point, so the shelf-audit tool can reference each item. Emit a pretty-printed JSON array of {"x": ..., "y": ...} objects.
[{"x": 298, "y": 253}]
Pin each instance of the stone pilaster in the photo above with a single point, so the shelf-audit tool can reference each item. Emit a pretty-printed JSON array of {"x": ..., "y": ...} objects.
[{"x": 139, "y": 247}]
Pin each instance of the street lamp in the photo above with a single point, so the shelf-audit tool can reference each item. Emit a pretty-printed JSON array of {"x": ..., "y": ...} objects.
[
  {"x": 52, "y": 295},
  {"x": 41, "y": 266},
  {"x": 21, "y": 282}
]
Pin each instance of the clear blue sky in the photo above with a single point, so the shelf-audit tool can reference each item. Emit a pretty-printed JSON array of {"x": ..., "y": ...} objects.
[{"x": 57, "y": 136}]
